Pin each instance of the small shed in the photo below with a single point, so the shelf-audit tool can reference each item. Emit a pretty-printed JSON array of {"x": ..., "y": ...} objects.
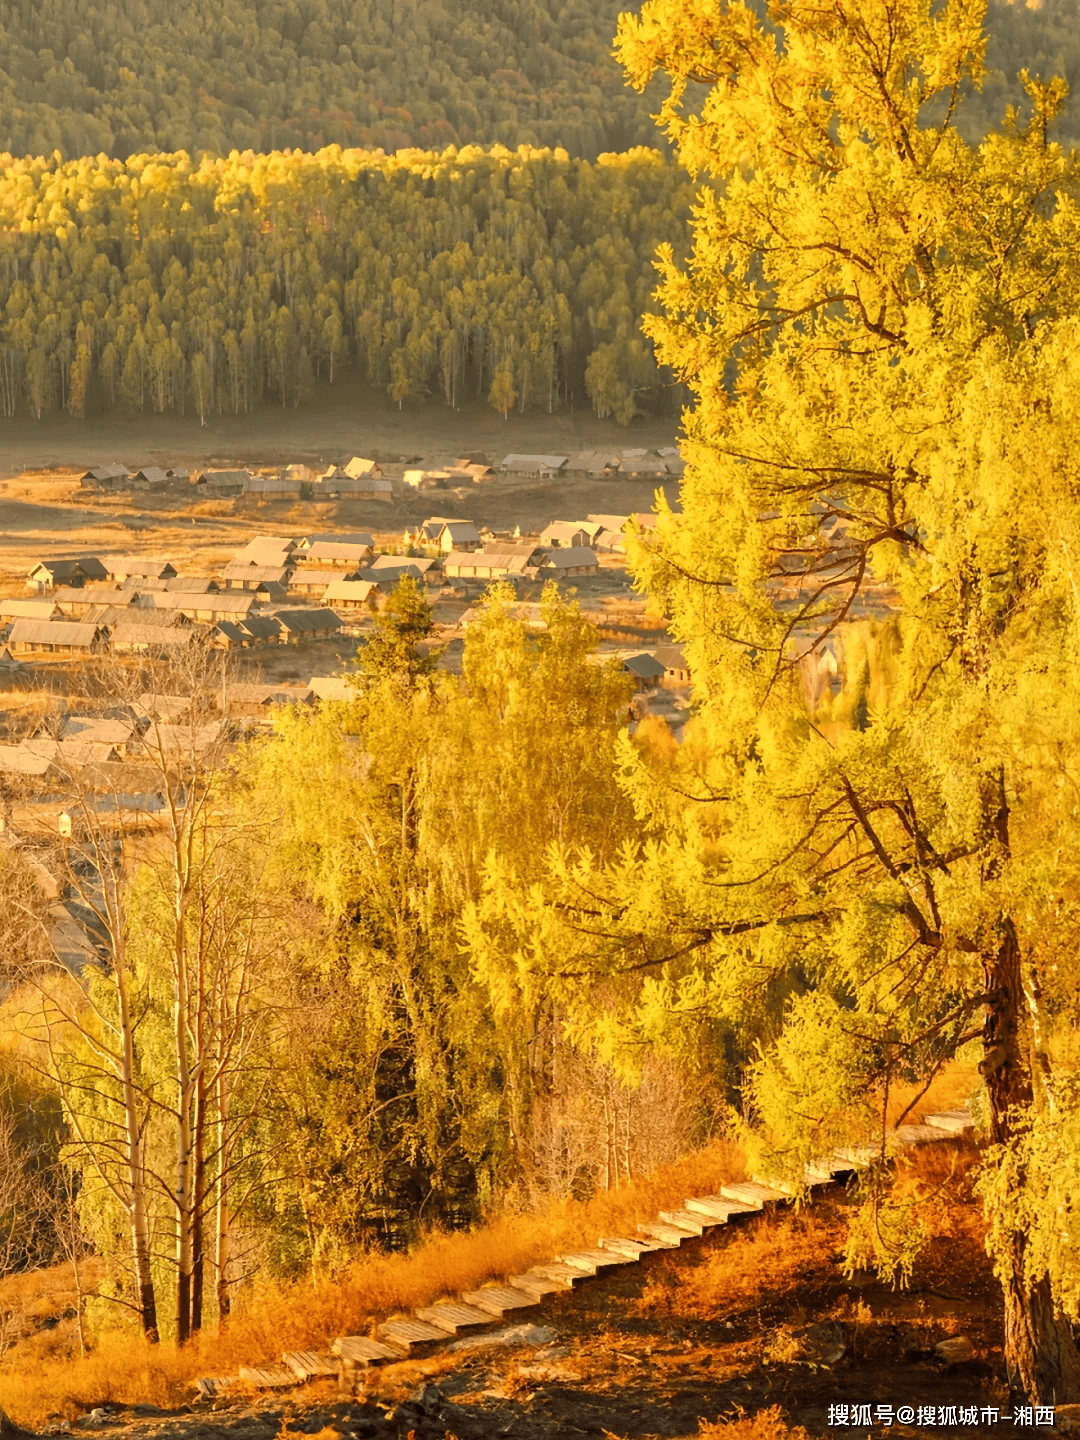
[
  {"x": 351, "y": 594},
  {"x": 577, "y": 560},
  {"x": 48, "y": 574},
  {"x": 223, "y": 482},
  {"x": 565, "y": 535}
]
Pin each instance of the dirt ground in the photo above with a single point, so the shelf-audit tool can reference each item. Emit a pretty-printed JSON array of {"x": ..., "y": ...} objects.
[
  {"x": 345, "y": 419},
  {"x": 637, "y": 1356}
]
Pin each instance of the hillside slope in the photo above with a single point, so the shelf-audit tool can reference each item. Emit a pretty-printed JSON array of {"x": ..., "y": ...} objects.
[{"x": 125, "y": 76}]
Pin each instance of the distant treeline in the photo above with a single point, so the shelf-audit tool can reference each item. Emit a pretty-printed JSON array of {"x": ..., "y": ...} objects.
[
  {"x": 121, "y": 77},
  {"x": 166, "y": 284}
]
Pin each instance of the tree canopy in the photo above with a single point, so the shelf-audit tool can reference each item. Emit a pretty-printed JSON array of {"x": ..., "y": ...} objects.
[
  {"x": 165, "y": 284},
  {"x": 849, "y": 883}
]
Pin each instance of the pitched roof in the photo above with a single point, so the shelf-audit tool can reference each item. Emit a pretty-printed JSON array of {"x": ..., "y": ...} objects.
[
  {"x": 300, "y": 622},
  {"x": 233, "y": 602},
  {"x": 153, "y": 473},
  {"x": 93, "y": 595},
  {"x": 129, "y": 632},
  {"x": 353, "y": 538},
  {"x": 332, "y": 687},
  {"x": 570, "y": 557},
  {"x": 460, "y": 531},
  {"x": 32, "y": 609},
  {"x": 192, "y": 584},
  {"x": 105, "y": 472},
  {"x": 530, "y": 463},
  {"x": 75, "y": 634},
  {"x": 103, "y": 729},
  {"x": 644, "y": 666},
  {"x": 152, "y": 565},
  {"x": 339, "y": 590},
  {"x": 86, "y": 565},
  {"x": 358, "y": 466},
  {"x": 226, "y": 479},
  {"x": 337, "y": 550},
  {"x": 17, "y": 760},
  {"x": 239, "y": 570},
  {"x": 562, "y": 530},
  {"x": 258, "y": 627}
]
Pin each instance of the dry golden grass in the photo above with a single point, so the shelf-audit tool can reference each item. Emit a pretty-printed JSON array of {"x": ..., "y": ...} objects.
[
  {"x": 765, "y": 1425},
  {"x": 950, "y": 1089},
  {"x": 773, "y": 1256},
  {"x": 273, "y": 1318}
]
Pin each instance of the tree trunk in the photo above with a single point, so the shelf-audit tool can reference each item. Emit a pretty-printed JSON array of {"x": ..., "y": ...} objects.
[
  {"x": 139, "y": 1218},
  {"x": 1040, "y": 1353}
]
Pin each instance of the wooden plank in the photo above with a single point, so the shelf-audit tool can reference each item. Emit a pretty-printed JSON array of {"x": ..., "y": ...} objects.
[
  {"x": 593, "y": 1261},
  {"x": 856, "y": 1157},
  {"x": 410, "y": 1335},
  {"x": 750, "y": 1193},
  {"x": 267, "y": 1377},
  {"x": 310, "y": 1364},
  {"x": 359, "y": 1350},
  {"x": 634, "y": 1249},
  {"x": 920, "y": 1134},
  {"x": 717, "y": 1205},
  {"x": 687, "y": 1220},
  {"x": 454, "y": 1318},
  {"x": 657, "y": 1230},
  {"x": 210, "y": 1386},
  {"x": 955, "y": 1121},
  {"x": 537, "y": 1285},
  {"x": 569, "y": 1275},
  {"x": 500, "y": 1300}
]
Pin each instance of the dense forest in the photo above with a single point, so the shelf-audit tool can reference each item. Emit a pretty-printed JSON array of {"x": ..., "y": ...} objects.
[
  {"x": 121, "y": 76},
  {"x": 118, "y": 77},
  {"x": 167, "y": 284}
]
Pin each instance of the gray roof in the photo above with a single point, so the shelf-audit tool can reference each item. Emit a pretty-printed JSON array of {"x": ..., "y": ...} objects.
[
  {"x": 232, "y": 603},
  {"x": 337, "y": 550},
  {"x": 130, "y": 633},
  {"x": 644, "y": 666},
  {"x": 105, "y": 472},
  {"x": 226, "y": 478},
  {"x": 15, "y": 760},
  {"x": 152, "y": 565},
  {"x": 301, "y": 622},
  {"x": 192, "y": 584},
  {"x": 570, "y": 557},
  {"x": 532, "y": 463},
  {"x": 353, "y": 538},
  {"x": 93, "y": 595},
  {"x": 258, "y": 627},
  {"x": 240, "y": 570},
  {"x": 153, "y": 473},
  {"x": 32, "y": 609}
]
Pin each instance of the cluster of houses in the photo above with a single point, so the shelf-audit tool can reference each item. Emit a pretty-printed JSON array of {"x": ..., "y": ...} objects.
[
  {"x": 280, "y": 590},
  {"x": 362, "y": 478}
]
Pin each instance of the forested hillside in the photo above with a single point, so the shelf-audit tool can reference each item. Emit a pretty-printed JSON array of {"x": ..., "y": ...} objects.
[
  {"x": 119, "y": 76},
  {"x": 165, "y": 284},
  {"x": 116, "y": 77}
]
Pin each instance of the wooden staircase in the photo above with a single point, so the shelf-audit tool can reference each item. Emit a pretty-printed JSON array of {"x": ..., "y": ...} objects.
[{"x": 491, "y": 1306}]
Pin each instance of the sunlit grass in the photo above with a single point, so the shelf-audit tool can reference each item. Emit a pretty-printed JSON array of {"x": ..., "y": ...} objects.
[{"x": 271, "y": 1318}]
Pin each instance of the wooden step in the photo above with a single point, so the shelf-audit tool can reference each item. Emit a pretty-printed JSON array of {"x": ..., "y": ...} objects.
[
  {"x": 501, "y": 1300},
  {"x": 558, "y": 1270},
  {"x": 360, "y": 1350},
  {"x": 749, "y": 1192},
  {"x": 855, "y": 1157},
  {"x": 687, "y": 1220},
  {"x": 267, "y": 1377},
  {"x": 537, "y": 1285},
  {"x": 919, "y": 1134},
  {"x": 634, "y": 1249},
  {"x": 413, "y": 1336},
  {"x": 210, "y": 1386},
  {"x": 955, "y": 1121},
  {"x": 593, "y": 1261},
  {"x": 455, "y": 1318},
  {"x": 813, "y": 1176},
  {"x": 310, "y": 1364},
  {"x": 672, "y": 1234},
  {"x": 718, "y": 1206}
]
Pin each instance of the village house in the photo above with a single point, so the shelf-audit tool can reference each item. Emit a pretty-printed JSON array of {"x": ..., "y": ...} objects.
[
  {"x": 596, "y": 463},
  {"x": 71, "y": 752},
  {"x": 49, "y": 609},
  {"x": 17, "y": 760},
  {"x": 540, "y": 466},
  {"x": 238, "y": 575},
  {"x": 223, "y": 482},
  {"x": 192, "y": 584},
  {"x": 494, "y": 561},
  {"x": 223, "y": 606},
  {"x": 75, "y": 602},
  {"x": 133, "y": 638},
  {"x": 577, "y": 560},
  {"x": 641, "y": 465},
  {"x": 112, "y": 615},
  {"x": 300, "y": 625},
  {"x": 150, "y": 477},
  {"x": 313, "y": 580},
  {"x": 48, "y": 574},
  {"x": 267, "y": 550},
  {"x": 57, "y": 637},
  {"x": 272, "y": 487},
  {"x": 421, "y": 567},
  {"x": 331, "y": 687},
  {"x": 338, "y": 554},
  {"x": 120, "y": 734},
  {"x": 256, "y": 698},
  {"x": 226, "y": 635},
  {"x": 676, "y": 668},
  {"x": 137, "y": 567},
  {"x": 645, "y": 668},
  {"x": 351, "y": 594},
  {"x": 260, "y": 629},
  {"x": 358, "y": 467},
  {"x": 461, "y": 535},
  {"x": 352, "y": 537},
  {"x": 105, "y": 477},
  {"x": 565, "y": 534}
]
